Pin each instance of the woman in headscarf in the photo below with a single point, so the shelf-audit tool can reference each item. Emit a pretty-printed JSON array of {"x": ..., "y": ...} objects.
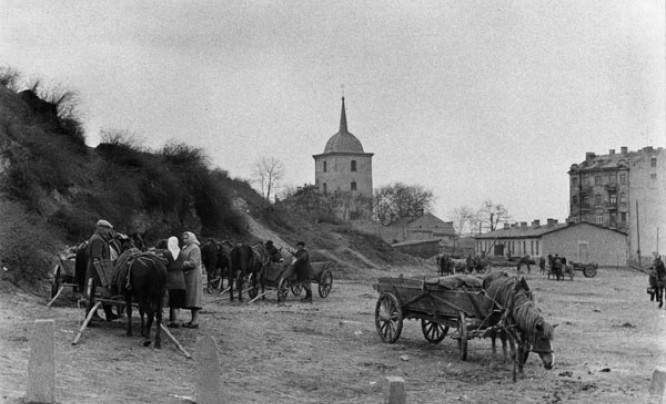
[
  {"x": 175, "y": 282},
  {"x": 193, "y": 277}
]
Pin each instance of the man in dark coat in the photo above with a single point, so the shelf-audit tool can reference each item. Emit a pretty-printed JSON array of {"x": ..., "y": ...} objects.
[
  {"x": 304, "y": 271},
  {"x": 98, "y": 250}
]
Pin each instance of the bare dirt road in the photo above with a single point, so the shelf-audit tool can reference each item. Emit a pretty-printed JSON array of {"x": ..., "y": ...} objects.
[{"x": 608, "y": 341}]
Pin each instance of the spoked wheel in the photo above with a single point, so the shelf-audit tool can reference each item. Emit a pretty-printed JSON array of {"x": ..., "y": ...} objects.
[
  {"x": 433, "y": 332},
  {"x": 283, "y": 289},
  {"x": 589, "y": 272},
  {"x": 462, "y": 341},
  {"x": 297, "y": 289},
  {"x": 55, "y": 283},
  {"x": 388, "y": 317},
  {"x": 254, "y": 290},
  {"x": 325, "y": 284}
]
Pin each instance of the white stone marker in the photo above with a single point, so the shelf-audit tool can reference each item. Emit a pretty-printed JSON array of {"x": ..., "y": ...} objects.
[
  {"x": 41, "y": 368},
  {"x": 394, "y": 390},
  {"x": 208, "y": 389},
  {"x": 658, "y": 386}
]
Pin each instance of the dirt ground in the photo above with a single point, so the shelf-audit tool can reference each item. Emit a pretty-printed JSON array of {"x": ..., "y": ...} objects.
[{"x": 608, "y": 341}]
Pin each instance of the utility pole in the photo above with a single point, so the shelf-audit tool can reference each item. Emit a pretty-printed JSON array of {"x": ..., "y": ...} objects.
[{"x": 638, "y": 237}]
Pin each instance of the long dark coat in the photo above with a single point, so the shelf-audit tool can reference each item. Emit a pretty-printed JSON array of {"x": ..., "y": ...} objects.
[
  {"x": 98, "y": 248},
  {"x": 302, "y": 265}
]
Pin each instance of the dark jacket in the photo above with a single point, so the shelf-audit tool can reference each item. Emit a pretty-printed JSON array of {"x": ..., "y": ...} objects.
[
  {"x": 302, "y": 265},
  {"x": 98, "y": 249},
  {"x": 175, "y": 278}
]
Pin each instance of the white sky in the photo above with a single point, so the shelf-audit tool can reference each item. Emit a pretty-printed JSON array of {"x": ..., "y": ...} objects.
[{"x": 473, "y": 100}]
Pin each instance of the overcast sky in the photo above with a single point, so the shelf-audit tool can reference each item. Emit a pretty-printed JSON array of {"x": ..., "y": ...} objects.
[{"x": 474, "y": 100}]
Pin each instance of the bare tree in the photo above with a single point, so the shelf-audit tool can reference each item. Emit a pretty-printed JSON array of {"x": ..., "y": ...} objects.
[
  {"x": 463, "y": 219},
  {"x": 491, "y": 214},
  {"x": 268, "y": 172}
]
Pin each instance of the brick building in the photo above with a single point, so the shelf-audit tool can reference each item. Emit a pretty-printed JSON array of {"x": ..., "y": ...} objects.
[{"x": 625, "y": 191}]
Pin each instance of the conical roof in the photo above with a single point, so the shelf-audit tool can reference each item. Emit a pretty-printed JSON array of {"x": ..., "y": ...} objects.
[{"x": 343, "y": 141}]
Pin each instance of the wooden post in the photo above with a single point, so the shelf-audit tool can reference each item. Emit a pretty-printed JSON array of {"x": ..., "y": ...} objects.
[
  {"x": 394, "y": 390},
  {"x": 208, "y": 387},
  {"x": 175, "y": 341},
  {"x": 85, "y": 322},
  {"x": 657, "y": 386},
  {"x": 56, "y": 296},
  {"x": 41, "y": 368}
]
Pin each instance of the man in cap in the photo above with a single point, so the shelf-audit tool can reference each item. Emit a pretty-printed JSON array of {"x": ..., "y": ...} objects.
[
  {"x": 303, "y": 268},
  {"x": 98, "y": 250}
]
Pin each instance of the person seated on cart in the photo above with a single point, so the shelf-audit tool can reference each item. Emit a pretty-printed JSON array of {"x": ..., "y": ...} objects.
[
  {"x": 273, "y": 251},
  {"x": 98, "y": 249},
  {"x": 303, "y": 268}
]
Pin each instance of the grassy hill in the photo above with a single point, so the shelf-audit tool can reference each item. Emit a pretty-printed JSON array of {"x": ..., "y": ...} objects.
[{"x": 53, "y": 188}]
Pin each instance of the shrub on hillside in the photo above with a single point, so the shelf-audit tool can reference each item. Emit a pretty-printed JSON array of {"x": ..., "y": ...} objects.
[{"x": 29, "y": 244}]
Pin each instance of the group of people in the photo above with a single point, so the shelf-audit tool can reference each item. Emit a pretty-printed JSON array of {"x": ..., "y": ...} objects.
[
  {"x": 184, "y": 283},
  {"x": 184, "y": 280}
]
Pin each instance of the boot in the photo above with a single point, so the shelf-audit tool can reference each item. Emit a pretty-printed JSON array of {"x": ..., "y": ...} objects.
[{"x": 308, "y": 296}]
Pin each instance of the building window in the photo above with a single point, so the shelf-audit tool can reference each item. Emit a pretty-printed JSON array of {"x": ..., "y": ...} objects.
[
  {"x": 537, "y": 247},
  {"x": 613, "y": 219},
  {"x": 653, "y": 162},
  {"x": 586, "y": 201},
  {"x": 353, "y": 165},
  {"x": 574, "y": 182},
  {"x": 623, "y": 217},
  {"x": 597, "y": 200},
  {"x": 653, "y": 176},
  {"x": 324, "y": 166},
  {"x": 325, "y": 188},
  {"x": 623, "y": 179},
  {"x": 599, "y": 219},
  {"x": 612, "y": 198},
  {"x": 353, "y": 186},
  {"x": 612, "y": 180},
  {"x": 597, "y": 180},
  {"x": 623, "y": 198}
]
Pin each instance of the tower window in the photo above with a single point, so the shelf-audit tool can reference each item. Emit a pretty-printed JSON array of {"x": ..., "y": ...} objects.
[
  {"x": 353, "y": 165},
  {"x": 653, "y": 162},
  {"x": 324, "y": 188},
  {"x": 353, "y": 186},
  {"x": 324, "y": 166},
  {"x": 623, "y": 179}
]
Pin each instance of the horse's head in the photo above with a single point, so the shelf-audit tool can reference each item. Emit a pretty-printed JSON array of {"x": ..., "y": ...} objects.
[{"x": 542, "y": 344}]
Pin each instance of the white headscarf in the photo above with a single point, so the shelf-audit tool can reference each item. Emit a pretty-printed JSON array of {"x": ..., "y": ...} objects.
[
  {"x": 172, "y": 245},
  {"x": 193, "y": 238}
]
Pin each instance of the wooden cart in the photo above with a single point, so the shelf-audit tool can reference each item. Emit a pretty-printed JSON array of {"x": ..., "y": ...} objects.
[
  {"x": 323, "y": 277},
  {"x": 439, "y": 309}
]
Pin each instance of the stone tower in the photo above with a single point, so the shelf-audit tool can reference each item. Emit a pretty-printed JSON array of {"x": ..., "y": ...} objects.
[{"x": 344, "y": 166}]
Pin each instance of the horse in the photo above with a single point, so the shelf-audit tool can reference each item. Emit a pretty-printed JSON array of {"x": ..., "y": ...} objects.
[
  {"x": 215, "y": 258},
  {"x": 657, "y": 281},
  {"x": 141, "y": 277},
  {"x": 460, "y": 265},
  {"x": 519, "y": 321},
  {"x": 526, "y": 260},
  {"x": 249, "y": 262}
]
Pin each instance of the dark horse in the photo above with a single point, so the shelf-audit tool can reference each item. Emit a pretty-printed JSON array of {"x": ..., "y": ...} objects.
[
  {"x": 518, "y": 320},
  {"x": 658, "y": 281},
  {"x": 249, "y": 262},
  {"x": 141, "y": 277},
  {"x": 445, "y": 265},
  {"x": 215, "y": 256}
]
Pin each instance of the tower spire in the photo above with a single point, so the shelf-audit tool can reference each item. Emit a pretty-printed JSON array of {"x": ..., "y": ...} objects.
[{"x": 343, "y": 118}]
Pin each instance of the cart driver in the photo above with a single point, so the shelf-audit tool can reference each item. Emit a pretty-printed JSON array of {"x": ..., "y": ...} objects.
[
  {"x": 98, "y": 250},
  {"x": 303, "y": 269}
]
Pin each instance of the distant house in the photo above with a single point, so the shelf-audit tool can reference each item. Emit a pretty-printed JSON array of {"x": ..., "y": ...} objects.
[
  {"x": 582, "y": 241},
  {"x": 425, "y": 227}
]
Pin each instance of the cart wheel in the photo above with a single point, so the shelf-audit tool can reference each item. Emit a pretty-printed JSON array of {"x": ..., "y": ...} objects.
[
  {"x": 462, "y": 341},
  {"x": 55, "y": 282},
  {"x": 388, "y": 317},
  {"x": 432, "y": 331},
  {"x": 297, "y": 289},
  {"x": 254, "y": 291},
  {"x": 325, "y": 284},
  {"x": 590, "y": 272},
  {"x": 283, "y": 289}
]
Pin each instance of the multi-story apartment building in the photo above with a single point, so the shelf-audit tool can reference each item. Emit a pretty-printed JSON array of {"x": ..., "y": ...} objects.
[{"x": 625, "y": 191}]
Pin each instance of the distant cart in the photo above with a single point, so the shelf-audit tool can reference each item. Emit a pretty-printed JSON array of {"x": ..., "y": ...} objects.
[
  {"x": 589, "y": 269},
  {"x": 281, "y": 278},
  {"x": 439, "y": 308}
]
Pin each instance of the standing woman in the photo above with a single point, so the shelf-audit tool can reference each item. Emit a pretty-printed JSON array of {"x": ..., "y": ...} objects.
[
  {"x": 193, "y": 277},
  {"x": 175, "y": 282}
]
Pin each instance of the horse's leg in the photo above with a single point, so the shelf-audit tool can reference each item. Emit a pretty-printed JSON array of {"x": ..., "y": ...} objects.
[
  {"x": 128, "y": 309},
  {"x": 660, "y": 296},
  {"x": 240, "y": 284},
  {"x": 493, "y": 360},
  {"x": 231, "y": 285},
  {"x": 150, "y": 313},
  {"x": 158, "y": 332},
  {"x": 143, "y": 324}
]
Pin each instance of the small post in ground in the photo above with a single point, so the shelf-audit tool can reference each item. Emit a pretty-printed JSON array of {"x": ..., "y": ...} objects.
[
  {"x": 41, "y": 368},
  {"x": 394, "y": 390}
]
